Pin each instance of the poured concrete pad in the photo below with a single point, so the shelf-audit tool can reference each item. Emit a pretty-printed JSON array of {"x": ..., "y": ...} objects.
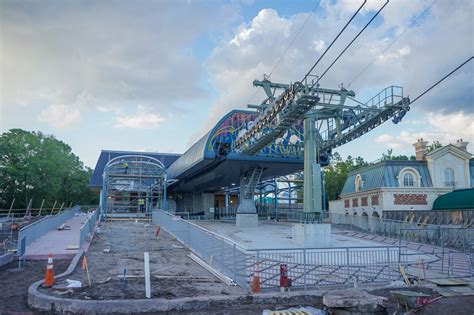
[
  {"x": 57, "y": 242},
  {"x": 272, "y": 235}
]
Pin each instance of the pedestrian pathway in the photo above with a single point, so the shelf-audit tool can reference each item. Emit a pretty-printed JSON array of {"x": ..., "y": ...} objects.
[{"x": 63, "y": 244}]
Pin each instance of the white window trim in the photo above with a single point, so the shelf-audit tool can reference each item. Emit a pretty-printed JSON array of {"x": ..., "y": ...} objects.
[{"x": 414, "y": 172}]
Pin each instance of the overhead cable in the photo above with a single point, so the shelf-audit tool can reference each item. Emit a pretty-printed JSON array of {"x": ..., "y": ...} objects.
[
  {"x": 333, "y": 41},
  {"x": 293, "y": 40},
  {"x": 461, "y": 65},
  {"x": 391, "y": 43},
  {"x": 353, "y": 40}
]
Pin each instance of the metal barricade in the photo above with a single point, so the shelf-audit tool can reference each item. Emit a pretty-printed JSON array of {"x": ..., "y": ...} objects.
[
  {"x": 308, "y": 267},
  {"x": 37, "y": 229}
]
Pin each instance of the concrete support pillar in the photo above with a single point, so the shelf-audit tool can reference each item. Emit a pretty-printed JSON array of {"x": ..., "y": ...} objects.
[
  {"x": 312, "y": 207},
  {"x": 246, "y": 212},
  {"x": 227, "y": 197}
]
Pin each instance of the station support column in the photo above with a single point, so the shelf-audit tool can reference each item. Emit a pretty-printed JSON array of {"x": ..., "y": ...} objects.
[{"x": 312, "y": 200}]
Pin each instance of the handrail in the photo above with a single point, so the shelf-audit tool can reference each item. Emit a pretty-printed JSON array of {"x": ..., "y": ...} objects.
[{"x": 277, "y": 249}]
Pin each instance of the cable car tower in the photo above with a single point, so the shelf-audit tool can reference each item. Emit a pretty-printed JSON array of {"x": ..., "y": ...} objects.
[{"x": 331, "y": 118}]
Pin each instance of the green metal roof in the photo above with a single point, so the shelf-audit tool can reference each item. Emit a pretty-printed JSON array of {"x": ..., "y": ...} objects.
[{"x": 456, "y": 200}]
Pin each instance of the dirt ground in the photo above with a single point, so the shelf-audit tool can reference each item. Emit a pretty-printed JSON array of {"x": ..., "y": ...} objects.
[
  {"x": 120, "y": 245},
  {"x": 14, "y": 283},
  {"x": 174, "y": 274},
  {"x": 456, "y": 305}
]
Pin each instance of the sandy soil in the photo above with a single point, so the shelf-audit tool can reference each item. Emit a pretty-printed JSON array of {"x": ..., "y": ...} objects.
[
  {"x": 174, "y": 274},
  {"x": 14, "y": 283}
]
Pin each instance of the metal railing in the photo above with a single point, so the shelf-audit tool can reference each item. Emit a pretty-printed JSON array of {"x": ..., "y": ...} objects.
[
  {"x": 87, "y": 229},
  {"x": 37, "y": 229},
  {"x": 308, "y": 267},
  {"x": 456, "y": 237}
]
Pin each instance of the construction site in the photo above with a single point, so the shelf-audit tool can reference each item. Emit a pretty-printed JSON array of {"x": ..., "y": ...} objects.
[{"x": 240, "y": 223}]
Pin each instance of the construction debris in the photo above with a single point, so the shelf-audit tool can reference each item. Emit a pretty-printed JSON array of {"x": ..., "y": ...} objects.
[{"x": 354, "y": 302}]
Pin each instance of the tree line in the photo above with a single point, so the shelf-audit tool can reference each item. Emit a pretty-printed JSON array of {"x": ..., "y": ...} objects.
[{"x": 37, "y": 166}]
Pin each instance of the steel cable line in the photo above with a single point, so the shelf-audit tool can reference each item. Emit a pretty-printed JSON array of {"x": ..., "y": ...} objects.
[
  {"x": 446, "y": 76},
  {"x": 288, "y": 47},
  {"x": 390, "y": 45},
  {"x": 353, "y": 40},
  {"x": 333, "y": 41},
  {"x": 293, "y": 40}
]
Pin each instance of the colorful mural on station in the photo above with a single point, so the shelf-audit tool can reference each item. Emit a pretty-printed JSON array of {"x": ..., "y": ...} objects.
[{"x": 237, "y": 122}]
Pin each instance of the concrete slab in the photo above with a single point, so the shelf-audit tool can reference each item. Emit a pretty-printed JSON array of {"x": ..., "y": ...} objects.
[
  {"x": 272, "y": 236},
  {"x": 57, "y": 241}
]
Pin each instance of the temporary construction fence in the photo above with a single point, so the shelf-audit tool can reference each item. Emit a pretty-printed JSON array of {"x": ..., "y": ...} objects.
[
  {"x": 307, "y": 267},
  {"x": 87, "y": 229},
  {"x": 34, "y": 231}
]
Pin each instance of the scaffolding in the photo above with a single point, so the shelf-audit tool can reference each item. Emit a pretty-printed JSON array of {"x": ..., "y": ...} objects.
[{"x": 133, "y": 185}]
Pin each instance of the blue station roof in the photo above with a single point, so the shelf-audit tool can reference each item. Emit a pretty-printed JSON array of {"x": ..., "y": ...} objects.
[
  {"x": 471, "y": 171},
  {"x": 106, "y": 155},
  {"x": 384, "y": 174},
  {"x": 202, "y": 167}
]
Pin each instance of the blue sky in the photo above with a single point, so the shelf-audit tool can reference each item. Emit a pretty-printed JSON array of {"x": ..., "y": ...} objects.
[{"x": 156, "y": 75}]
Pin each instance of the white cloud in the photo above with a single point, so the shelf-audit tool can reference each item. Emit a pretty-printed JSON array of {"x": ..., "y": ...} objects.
[
  {"x": 122, "y": 54},
  {"x": 318, "y": 45},
  {"x": 445, "y": 128},
  {"x": 423, "y": 54},
  {"x": 144, "y": 118},
  {"x": 454, "y": 126},
  {"x": 60, "y": 116}
]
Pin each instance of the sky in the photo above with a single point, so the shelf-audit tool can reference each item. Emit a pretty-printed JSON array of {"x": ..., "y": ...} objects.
[{"x": 157, "y": 75}]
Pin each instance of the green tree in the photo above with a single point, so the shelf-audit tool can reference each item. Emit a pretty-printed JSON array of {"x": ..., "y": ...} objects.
[
  {"x": 335, "y": 173},
  {"x": 37, "y": 166},
  {"x": 390, "y": 157},
  {"x": 433, "y": 146}
]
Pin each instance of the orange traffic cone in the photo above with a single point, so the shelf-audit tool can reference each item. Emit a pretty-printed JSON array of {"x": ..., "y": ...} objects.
[
  {"x": 49, "y": 276},
  {"x": 256, "y": 281}
]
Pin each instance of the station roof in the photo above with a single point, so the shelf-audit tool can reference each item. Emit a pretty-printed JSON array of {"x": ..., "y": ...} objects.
[
  {"x": 106, "y": 155},
  {"x": 384, "y": 174},
  {"x": 202, "y": 168},
  {"x": 461, "y": 199}
]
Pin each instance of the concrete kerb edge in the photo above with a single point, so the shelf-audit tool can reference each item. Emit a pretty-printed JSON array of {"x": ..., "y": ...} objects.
[
  {"x": 43, "y": 301},
  {"x": 46, "y": 302}
]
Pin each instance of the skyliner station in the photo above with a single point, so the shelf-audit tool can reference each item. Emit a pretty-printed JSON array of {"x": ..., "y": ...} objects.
[
  {"x": 252, "y": 154},
  {"x": 293, "y": 129}
]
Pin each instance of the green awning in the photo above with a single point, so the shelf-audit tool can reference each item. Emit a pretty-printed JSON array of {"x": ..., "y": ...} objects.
[{"x": 461, "y": 199}]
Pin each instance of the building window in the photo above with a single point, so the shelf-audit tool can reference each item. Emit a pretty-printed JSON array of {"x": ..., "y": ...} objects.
[
  {"x": 363, "y": 201},
  {"x": 355, "y": 202},
  {"x": 408, "y": 180},
  {"x": 409, "y": 177},
  {"x": 359, "y": 184},
  {"x": 449, "y": 177},
  {"x": 346, "y": 203},
  {"x": 375, "y": 200}
]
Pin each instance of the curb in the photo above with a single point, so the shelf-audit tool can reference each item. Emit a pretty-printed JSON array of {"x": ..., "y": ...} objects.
[{"x": 64, "y": 306}]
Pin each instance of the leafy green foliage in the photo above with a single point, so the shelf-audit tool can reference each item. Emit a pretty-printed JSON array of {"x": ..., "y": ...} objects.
[
  {"x": 433, "y": 146},
  {"x": 37, "y": 166},
  {"x": 390, "y": 157},
  {"x": 335, "y": 173}
]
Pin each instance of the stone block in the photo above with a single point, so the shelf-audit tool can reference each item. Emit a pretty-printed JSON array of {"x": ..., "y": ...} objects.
[
  {"x": 312, "y": 234},
  {"x": 247, "y": 220}
]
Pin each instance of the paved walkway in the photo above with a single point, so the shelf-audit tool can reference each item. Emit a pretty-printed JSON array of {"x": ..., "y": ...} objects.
[{"x": 56, "y": 242}]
